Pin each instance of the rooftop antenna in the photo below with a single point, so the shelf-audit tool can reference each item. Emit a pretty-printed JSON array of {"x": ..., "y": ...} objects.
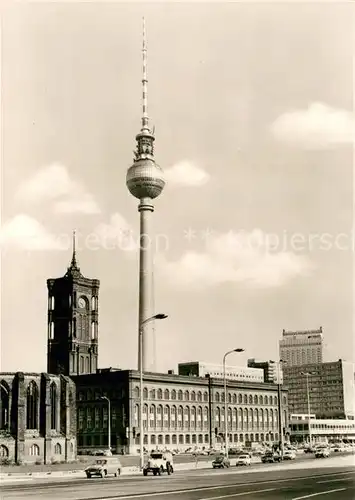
[
  {"x": 73, "y": 260},
  {"x": 145, "y": 119}
]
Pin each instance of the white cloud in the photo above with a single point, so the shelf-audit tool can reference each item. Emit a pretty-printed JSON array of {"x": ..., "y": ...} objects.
[
  {"x": 85, "y": 203},
  {"x": 53, "y": 183},
  {"x": 117, "y": 234},
  {"x": 24, "y": 232},
  {"x": 318, "y": 127},
  {"x": 186, "y": 173},
  {"x": 248, "y": 258}
]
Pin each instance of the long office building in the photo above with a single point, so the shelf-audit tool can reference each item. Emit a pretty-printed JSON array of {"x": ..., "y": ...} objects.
[
  {"x": 301, "y": 347},
  {"x": 304, "y": 428},
  {"x": 324, "y": 389},
  {"x": 179, "y": 412},
  {"x": 238, "y": 373}
]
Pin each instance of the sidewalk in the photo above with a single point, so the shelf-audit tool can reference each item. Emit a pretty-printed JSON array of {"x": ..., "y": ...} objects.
[{"x": 14, "y": 477}]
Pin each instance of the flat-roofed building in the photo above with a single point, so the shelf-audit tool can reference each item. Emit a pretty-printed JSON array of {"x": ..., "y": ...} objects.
[
  {"x": 301, "y": 347},
  {"x": 238, "y": 373},
  {"x": 321, "y": 430},
  {"x": 272, "y": 371},
  {"x": 329, "y": 386},
  {"x": 179, "y": 411}
]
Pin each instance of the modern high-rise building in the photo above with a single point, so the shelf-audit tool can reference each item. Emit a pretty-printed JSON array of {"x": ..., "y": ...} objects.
[
  {"x": 324, "y": 389},
  {"x": 301, "y": 347},
  {"x": 145, "y": 181}
]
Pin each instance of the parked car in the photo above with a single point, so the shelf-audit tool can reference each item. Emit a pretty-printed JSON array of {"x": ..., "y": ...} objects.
[
  {"x": 270, "y": 457},
  {"x": 243, "y": 460},
  {"x": 309, "y": 449},
  {"x": 221, "y": 462},
  {"x": 158, "y": 463},
  {"x": 289, "y": 455},
  {"x": 103, "y": 467},
  {"x": 322, "y": 453}
]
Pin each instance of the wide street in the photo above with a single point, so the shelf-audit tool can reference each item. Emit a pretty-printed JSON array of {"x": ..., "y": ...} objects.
[{"x": 265, "y": 482}]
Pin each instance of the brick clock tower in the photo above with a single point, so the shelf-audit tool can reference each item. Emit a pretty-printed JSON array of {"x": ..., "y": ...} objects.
[{"x": 72, "y": 322}]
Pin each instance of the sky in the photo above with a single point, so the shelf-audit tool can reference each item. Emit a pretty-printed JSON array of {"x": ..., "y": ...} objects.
[{"x": 252, "y": 105}]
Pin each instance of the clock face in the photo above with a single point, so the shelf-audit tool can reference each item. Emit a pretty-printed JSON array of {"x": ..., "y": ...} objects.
[{"x": 82, "y": 303}]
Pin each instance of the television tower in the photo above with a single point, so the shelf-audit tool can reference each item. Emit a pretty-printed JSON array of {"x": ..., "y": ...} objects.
[{"x": 145, "y": 181}]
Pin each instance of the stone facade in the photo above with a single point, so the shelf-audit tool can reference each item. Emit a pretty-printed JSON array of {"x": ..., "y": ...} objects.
[
  {"x": 37, "y": 418},
  {"x": 73, "y": 303},
  {"x": 179, "y": 412}
]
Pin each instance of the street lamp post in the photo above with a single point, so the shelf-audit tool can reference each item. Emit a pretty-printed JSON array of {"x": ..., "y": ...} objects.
[
  {"x": 141, "y": 401},
  {"x": 226, "y": 400},
  {"x": 279, "y": 396},
  {"x": 109, "y": 420},
  {"x": 307, "y": 374},
  {"x": 279, "y": 406}
]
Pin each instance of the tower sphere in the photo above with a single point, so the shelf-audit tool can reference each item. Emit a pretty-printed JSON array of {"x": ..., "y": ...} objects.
[{"x": 145, "y": 179}]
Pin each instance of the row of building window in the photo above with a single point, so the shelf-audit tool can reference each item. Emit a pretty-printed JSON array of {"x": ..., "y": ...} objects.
[
  {"x": 179, "y": 439},
  {"x": 179, "y": 417},
  {"x": 81, "y": 364},
  {"x": 68, "y": 302},
  {"x": 193, "y": 396},
  {"x": 78, "y": 327},
  {"x": 176, "y": 439}
]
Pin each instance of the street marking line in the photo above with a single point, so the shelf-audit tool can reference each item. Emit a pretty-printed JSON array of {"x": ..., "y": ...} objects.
[
  {"x": 208, "y": 488},
  {"x": 319, "y": 493},
  {"x": 334, "y": 480},
  {"x": 238, "y": 494}
]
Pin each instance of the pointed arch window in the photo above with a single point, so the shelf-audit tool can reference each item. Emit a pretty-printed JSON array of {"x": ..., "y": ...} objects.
[
  {"x": 32, "y": 406},
  {"x": 53, "y": 399},
  {"x": 5, "y": 397}
]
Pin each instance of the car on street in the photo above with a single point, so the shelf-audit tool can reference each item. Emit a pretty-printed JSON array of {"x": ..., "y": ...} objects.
[
  {"x": 221, "y": 462},
  {"x": 322, "y": 453},
  {"x": 103, "y": 467},
  {"x": 270, "y": 457},
  {"x": 158, "y": 463},
  {"x": 309, "y": 449},
  {"x": 289, "y": 455},
  {"x": 243, "y": 460}
]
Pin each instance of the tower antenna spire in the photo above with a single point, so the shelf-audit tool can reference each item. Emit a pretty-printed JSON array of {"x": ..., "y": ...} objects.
[
  {"x": 74, "y": 263},
  {"x": 145, "y": 119}
]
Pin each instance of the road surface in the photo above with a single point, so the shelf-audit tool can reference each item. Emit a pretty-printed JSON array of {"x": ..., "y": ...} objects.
[{"x": 264, "y": 483}]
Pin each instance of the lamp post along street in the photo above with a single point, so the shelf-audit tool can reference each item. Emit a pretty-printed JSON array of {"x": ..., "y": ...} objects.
[
  {"x": 279, "y": 396},
  {"x": 307, "y": 374},
  {"x": 109, "y": 420},
  {"x": 141, "y": 400},
  {"x": 308, "y": 409},
  {"x": 226, "y": 400}
]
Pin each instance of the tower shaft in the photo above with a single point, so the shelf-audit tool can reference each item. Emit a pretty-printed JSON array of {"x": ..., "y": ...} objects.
[
  {"x": 146, "y": 270},
  {"x": 145, "y": 181}
]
